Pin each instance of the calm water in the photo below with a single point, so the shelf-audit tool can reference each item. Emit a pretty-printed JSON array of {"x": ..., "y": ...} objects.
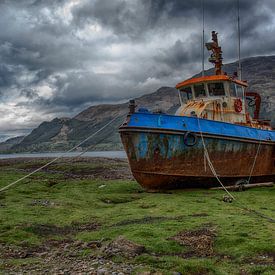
[{"x": 104, "y": 154}]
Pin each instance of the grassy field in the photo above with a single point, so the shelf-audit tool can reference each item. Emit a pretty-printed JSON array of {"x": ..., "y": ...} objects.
[{"x": 73, "y": 211}]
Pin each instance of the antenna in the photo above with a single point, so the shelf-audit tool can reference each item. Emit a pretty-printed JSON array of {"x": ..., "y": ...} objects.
[
  {"x": 202, "y": 49},
  {"x": 239, "y": 42}
]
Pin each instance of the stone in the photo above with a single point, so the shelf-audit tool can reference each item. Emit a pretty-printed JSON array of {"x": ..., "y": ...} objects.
[
  {"x": 123, "y": 247},
  {"x": 102, "y": 271}
]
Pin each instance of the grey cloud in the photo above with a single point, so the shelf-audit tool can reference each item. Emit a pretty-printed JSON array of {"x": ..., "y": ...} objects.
[
  {"x": 29, "y": 93},
  {"x": 44, "y": 44},
  {"x": 179, "y": 16},
  {"x": 181, "y": 53},
  {"x": 7, "y": 76},
  {"x": 80, "y": 88},
  {"x": 123, "y": 17}
]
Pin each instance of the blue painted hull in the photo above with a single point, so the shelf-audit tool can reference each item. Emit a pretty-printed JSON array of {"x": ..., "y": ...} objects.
[{"x": 161, "y": 157}]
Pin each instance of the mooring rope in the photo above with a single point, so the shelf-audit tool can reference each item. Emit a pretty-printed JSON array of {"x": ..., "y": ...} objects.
[
  {"x": 254, "y": 162},
  {"x": 241, "y": 205},
  {"x": 210, "y": 164},
  {"x": 61, "y": 156}
]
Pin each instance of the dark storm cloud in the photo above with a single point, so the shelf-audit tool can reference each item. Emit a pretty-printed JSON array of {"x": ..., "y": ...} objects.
[
  {"x": 7, "y": 76},
  {"x": 120, "y": 16},
  {"x": 136, "y": 21},
  {"x": 131, "y": 18},
  {"x": 59, "y": 56},
  {"x": 28, "y": 93},
  {"x": 180, "y": 54}
]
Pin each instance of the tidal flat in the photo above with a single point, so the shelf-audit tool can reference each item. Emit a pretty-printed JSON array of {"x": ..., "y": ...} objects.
[{"x": 89, "y": 216}]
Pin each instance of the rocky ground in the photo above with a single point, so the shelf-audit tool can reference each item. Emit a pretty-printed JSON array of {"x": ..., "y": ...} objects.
[
  {"x": 68, "y": 257},
  {"x": 96, "y": 257}
]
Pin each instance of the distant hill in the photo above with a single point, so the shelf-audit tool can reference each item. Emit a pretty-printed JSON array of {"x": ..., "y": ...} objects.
[
  {"x": 8, "y": 144},
  {"x": 62, "y": 133}
]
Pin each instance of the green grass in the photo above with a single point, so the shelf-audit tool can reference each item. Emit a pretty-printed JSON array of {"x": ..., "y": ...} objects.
[{"x": 123, "y": 208}]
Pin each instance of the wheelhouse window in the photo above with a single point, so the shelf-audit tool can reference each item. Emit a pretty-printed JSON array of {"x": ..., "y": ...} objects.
[
  {"x": 216, "y": 89},
  {"x": 233, "y": 89},
  {"x": 236, "y": 90},
  {"x": 199, "y": 90},
  {"x": 240, "y": 92},
  {"x": 185, "y": 94}
]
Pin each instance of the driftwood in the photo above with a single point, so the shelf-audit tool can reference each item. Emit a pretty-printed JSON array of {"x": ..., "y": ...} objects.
[{"x": 245, "y": 186}]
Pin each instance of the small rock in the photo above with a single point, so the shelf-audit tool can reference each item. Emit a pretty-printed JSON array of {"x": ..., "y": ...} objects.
[
  {"x": 123, "y": 247},
  {"x": 78, "y": 243},
  {"x": 102, "y": 271}
]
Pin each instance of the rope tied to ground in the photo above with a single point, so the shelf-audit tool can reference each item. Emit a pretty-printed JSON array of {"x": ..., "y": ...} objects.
[
  {"x": 231, "y": 197},
  {"x": 61, "y": 156},
  {"x": 210, "y": 164},
  {"x": 254, "y": 162}
]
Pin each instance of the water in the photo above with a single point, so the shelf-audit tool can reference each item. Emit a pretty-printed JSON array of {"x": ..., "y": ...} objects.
[{"x": 103, "y": 154}]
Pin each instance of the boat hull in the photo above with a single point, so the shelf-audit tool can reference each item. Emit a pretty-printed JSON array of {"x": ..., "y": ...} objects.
[{"x": 163, "y": 159}]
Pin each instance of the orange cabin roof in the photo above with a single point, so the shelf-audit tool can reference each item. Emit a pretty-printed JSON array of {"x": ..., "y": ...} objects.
[{"x": 192, "y": 81}]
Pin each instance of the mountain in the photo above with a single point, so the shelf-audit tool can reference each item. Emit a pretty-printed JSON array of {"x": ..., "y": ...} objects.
[
  {"x": 9, "y": 143},
  {"x": 62, "y": 133}
]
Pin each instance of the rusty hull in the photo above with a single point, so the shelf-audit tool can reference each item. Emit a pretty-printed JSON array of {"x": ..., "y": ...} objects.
[{"x": 161, "y": 160}]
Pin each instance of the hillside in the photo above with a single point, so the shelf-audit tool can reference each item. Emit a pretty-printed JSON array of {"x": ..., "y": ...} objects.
[
  {"x": 62, "y": 133},
  {"x": 8, "y": 144}
]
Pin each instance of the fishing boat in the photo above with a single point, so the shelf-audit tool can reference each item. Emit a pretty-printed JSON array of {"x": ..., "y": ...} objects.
[{"x": 212, "y": 139}]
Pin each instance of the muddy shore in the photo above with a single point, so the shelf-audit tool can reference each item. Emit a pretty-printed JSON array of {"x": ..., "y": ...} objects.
[{"x": 78, "y": 168}]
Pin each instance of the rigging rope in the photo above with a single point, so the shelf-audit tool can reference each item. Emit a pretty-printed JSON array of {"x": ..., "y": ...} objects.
[{"x": 61, "y": 156}]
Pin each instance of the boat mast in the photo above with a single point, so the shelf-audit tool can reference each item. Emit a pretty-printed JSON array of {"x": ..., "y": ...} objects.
[
  {"x": 239, "y": 41},
  {"x": 216, "y": 56},
  {"x": 202, "y": 4}
]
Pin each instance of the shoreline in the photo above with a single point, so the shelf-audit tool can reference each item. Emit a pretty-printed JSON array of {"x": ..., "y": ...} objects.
[{"x": 104, "y": 154}]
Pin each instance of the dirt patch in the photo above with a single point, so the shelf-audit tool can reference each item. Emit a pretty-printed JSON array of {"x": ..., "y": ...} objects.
[
  {"x": 123, "y": 247},
  {"x": 199, "y": 215},
  {"x": 48, "y": 248},
  {"x": 61, "y": 257},
  {"x": 119, "y": 200},
  {"x": 14, "y": 252},
  {"x": 262, "y": 259},
  {"x": 147, "y": 205},
  {"x": 199, "y": 241},
  {"x": 44, "y": 230},
  {"x": 45, "y": 203}
]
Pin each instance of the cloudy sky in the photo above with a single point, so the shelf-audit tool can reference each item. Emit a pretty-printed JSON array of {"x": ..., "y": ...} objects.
[{"x": 61, "y": 56}]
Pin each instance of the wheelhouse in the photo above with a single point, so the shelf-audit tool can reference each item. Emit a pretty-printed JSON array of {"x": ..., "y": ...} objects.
[
  {"x": 207, "y": 88},
  {"x": 219, "y": 97},
  {"x": 216, "y": 97}
]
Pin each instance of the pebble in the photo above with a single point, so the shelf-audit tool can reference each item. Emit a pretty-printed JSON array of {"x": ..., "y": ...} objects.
[
  {"x": 102, "y": 271},
  {"x": 65, "y": 259}
]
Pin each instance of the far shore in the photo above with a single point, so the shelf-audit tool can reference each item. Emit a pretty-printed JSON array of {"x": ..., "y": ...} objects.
[{"x": 104, "y": 154}]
